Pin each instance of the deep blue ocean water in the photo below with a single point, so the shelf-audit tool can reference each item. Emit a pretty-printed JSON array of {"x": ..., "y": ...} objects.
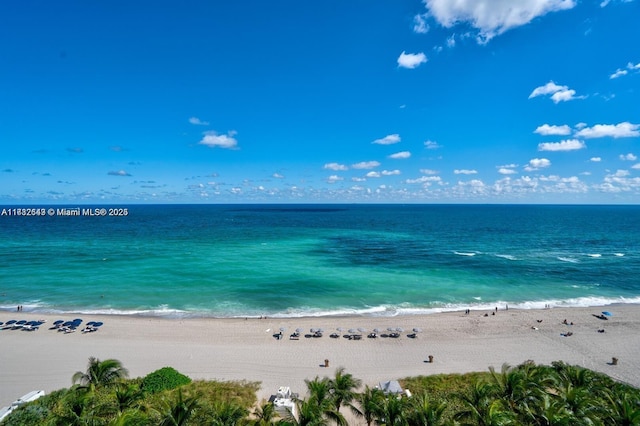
[{"x": 294, "y": 260}]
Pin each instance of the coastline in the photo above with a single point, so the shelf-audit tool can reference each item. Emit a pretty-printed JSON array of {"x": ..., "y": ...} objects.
[{"x": 245, "y": 349}]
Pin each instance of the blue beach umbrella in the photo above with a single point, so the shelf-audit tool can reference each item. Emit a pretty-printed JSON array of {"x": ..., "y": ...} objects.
[
  {"x": 607, "y": 313},
  {"x": 97, "y": 323}
]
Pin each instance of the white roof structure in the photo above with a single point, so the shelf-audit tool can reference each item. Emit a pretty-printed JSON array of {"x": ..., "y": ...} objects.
[
  {"x": 390, "y": 387},
  {"x": 283, "y": 402}
]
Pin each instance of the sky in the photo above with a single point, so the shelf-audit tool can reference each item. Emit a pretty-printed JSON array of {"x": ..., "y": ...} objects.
[{"x": 335, "y": 101}]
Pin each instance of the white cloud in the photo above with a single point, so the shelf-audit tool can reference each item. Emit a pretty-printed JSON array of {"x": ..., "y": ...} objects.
[
  {"x": 411, "y": 60},
  {"x": 335, "y": 166},
  {"x": 620, "y": 130},
  {"x": 366, "y": 165},
  {"x": 595, "y": 159},
  {"x": 537, "y": 164},
  {"x": 420, "y": 25},
  {"x": 564, "y": 96},
  {"x": 429, "y": 144},
  {"x": 400, "y": 155},
  {"x": 277, "y": 176},
  {"x": 424, "y": 179},
  {"x": 506, "y": 171},
  {"x": 212, "y": 139},
  {"x": 493, "y": 17},
  {"x": 628, "y": 157},
  {"x": 334, "y": 179},
  {"x": 604, "y": 3},
  {"x": 558, "y": 93},
  {"x": 465, "y": 172},
  {"x": 390, "y": 172},
  {"x": 373, "y": 174},
  {"x": 429, "y": 172},
  {"x": 198, "y": 122},
  {"x": 451, "y": 41},
  {"x": 547, "y": 130},
  {"x": 619, "y": 73},
  {"x": 119, "y": 173},
  {"x": 636, "y": 166},
  {"x": 388, "y": 140},
  {"x": 565, "y": 145}
]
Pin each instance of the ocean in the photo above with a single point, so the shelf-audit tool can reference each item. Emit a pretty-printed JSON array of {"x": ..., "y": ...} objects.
[{"x": 316, "y": 260}]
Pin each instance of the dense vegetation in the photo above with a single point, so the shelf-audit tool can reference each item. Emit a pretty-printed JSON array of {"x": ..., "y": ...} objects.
[{"x": 528, "y": 394}]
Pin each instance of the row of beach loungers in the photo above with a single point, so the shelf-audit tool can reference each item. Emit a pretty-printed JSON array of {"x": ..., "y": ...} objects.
[
  {"x": 352, "y": 334},
  {"x": 59, "y": 325},
  {"x": 71, "y": 326}
]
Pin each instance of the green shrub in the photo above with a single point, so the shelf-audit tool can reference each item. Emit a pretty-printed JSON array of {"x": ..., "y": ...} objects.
[{"x": 165, "y": 378}]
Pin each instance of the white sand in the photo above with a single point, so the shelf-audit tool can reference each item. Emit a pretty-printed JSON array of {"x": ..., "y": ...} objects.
[{"x": 236, "y": 349}]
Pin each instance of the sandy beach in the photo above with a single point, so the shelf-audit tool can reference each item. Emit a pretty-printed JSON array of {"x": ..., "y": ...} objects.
[{"x": 237, "y": 349}]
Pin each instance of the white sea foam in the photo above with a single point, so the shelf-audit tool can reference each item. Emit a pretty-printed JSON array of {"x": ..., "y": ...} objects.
[
  {"x": 618, "y": 254},
  {"x": 465, "y": 253},
  {"x": 568, "y": 259},
  {"x": 594, "y": 255},
  {"x": 506, "y": 256},
  {"x": 403, "y": 309}
]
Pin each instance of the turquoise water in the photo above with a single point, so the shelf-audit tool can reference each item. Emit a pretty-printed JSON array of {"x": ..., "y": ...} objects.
[{"x": 293, "y": 260}]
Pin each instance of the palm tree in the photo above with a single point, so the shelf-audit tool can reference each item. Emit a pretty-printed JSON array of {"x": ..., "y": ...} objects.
[
  {"x": 309, "y": 413},
  {"x": 265, "y": 414},
  {"x": 425, "y": 412},
  {"x": 321, "y": 394},
  {"x": 178, "y": 412},
  {"x": 624, "y": 408},
  {"x": 127, "y": 395},
  {"x": 100, "y": 373},
  {"x": 227, "y": 414},
  {"x": 370, "y": 400},
  {"x": 319, "y": 390},
  {"x": 515, "y": 387},
  {"x": 392, "y": 411},
  {"x": 343, "y": 387},
  {"x": 73, "y": 408},
  {"x": 482, "y": 408},
  {"x": 549, "y": 412},
  {"x": 131, "y": 418}
]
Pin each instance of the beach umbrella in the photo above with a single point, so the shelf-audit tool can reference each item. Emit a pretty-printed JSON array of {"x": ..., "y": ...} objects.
[
  {"x": 391, "y": 329},
  {"x": 340, "y": 329},
  {"x": 607, "y": 313},
  {"x": 417, "y": 330},
  {"x": 283, "y": 328},
  {"x": 1, "y": 323},
  {"x": 321, "y": 330},
  {"x": 58, "y": 322},
  {"x": 376, "y": 330},
  {"x": 299, "y": 330},
  {"x": 362, "y": 330},
  {"x": 97, "y": 323},
  {"x": 399, "y": 329},
  {"x": 353, "y": 331},
  {"x": 21, "y": 322},
  {"x": 313, "y": 330}
]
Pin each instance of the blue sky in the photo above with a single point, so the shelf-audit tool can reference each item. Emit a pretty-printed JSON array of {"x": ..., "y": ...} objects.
[{"x": 407, "y": 101}]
